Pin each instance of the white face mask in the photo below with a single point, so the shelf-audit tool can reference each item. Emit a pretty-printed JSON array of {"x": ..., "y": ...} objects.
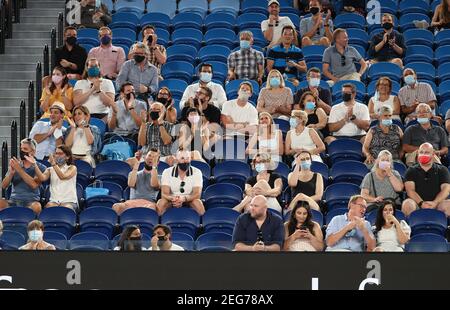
[
  {"x": 243, "y": 95},
  {"x": 35, "y": 235},
  {"x": 194, "y": 119}
]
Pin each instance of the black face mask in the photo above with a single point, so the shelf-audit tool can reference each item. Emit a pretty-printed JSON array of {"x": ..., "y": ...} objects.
[
  {"x": 71, "y": 41},
  {"x": 23, "y": 154},
  {"x": 346, "y": 97},
  {"x": 139, "y": 58},
  {"x": 154, "y": 115},
  {"x": 162, "y": 100},
  {"x": 148, "y": 167},
  {"x": 388, "y": 26},
  {"x": 134, "y": 244},
  {"x": 184, "y": 166},
  {"x": 161, "y": 240},
  {"x": 128, "y": 96},
  {"x": 314, "y": 10}
]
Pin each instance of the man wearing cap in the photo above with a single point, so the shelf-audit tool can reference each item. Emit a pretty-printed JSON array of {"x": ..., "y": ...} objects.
[
  {"x": 273, "y": 26},
  {"x": 49, "y": 134},
  {"x": 22, "y": 178}
]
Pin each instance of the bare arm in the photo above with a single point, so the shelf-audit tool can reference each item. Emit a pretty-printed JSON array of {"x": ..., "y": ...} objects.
[
  {"x": 79, "y": 97},
  {"x": 408, "y": 148},
  {"x": 142, "y": 136},
  {"x": 443, "y": 194},
  {"x": 165, "y": 192},
  {"x": 154, "y": 181},
  {"x": 132, "y": 177},
  {"x": 410, "y": 188},
  {"x": 327, "y": 73}
]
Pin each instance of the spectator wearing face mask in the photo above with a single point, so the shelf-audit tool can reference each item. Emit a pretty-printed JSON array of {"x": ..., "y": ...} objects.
[
  {"x": 94, "y": 14},
  {"x": 316, "y": 30},
  {"x": 164, "y": 96},
  {"x": 202, "y": 102},
  {"x": 63, "y": 179},
  {"x": 110, "y": 57},
  {"x": 205, "y": 76},
  {"x": 130, "y": 239},
  {"x": 322, "y": 95},
  {"x": 36, "y": 238},
  {"x": 194, "y": 135},
  {"x": 161, "y": 240},
  {"x": 275, "y": 99},
  {"x": 71, "y": 56},
  {"x": 58, "y": 90}
]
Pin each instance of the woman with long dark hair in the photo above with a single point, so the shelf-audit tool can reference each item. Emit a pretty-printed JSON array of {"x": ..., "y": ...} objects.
[
  {"x": 301, "y": 232},
  {"x": 57, "y": 90},
  {"x": 130, "y": 239}
]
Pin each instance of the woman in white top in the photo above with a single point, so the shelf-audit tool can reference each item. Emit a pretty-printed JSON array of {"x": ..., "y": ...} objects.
[
  {"x": 383, "y": 97},
  {"x": 301, "y": 232},
  {"x": 301, "y": 138},
  {"x": 63, "y": 179},
  {"x": 391, "y": 233},
  {"x": 36, "y": 237},
  {"x": 267, "y": 139}
]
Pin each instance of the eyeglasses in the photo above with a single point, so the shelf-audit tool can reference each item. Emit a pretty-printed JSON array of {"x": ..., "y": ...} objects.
[
  {"x": 342, "y": 60},
  {"x": 182, "y": 184},
  {"x": 360, "y": 205}
]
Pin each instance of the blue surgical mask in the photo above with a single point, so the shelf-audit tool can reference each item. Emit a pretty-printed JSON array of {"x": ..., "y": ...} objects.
[
  {"x": 423, "y": 120},
  {"x": 275, "y": 81},
  {"x": 310, "y": 105},
  {"x": 93, "y": 71},
  {"x": 314, "y": 82},
  {"x": 409, "y": 79},
  {"x": 205, "y": 77},
  {"x": 35, "y": 235},
  {"x": 293, "y": 122},
  {"x": 60, "y": 161},
  {"x": 98, "y": 3},
  {"x": 306, "y": 165},
  {"x": 260, "y": 167},
  {"x": 245, "y": 44},
  {"x": 386, "y": 122}
]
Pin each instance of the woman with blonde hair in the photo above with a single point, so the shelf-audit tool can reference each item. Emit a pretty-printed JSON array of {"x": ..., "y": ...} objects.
[{"x": 275, "y": 99}]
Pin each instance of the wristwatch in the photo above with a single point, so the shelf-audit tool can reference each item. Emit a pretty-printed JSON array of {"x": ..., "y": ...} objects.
[
  {"x": 353, "y": 117},
  {"x": 420, "y": 203}
]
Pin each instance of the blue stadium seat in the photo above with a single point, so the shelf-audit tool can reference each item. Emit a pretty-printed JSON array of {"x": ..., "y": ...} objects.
[
  {"x": 222, "y": 195},
  {"x": 168, "y": 7},
  {"x": 220, "y": 20},
  {"x": 442, "y": 38},
  {"x": 434, "y": 5},
  {"x": 57, "y": 239},
  {"x": 84, "y": 172},
  {"x": 258, "y": 38},
  {"x": 232, "y": 171},
  {"x": 317, "y": 64},
  {"x": 12, "y": 240},
  {"x": 124, "y": 20},
  {"x": 318, "y": 167},
  {"x": 254, "y": 6},
  {"x": 286, "y": 7},
  {"x": 350, "y": 20},
  {"x": 124, "y": 36},
  {"x": 182, "y": 220},
  {"x": 98, "y": 219},
  {"x": 294, "y": 17},
  {"x": 101, "y": 125},
  {"x": 333, "y": 213},
  {"x": 337, "y": 195},
  {"x": 313, "y": 52},
  {"x": 88, "y": 36},
  {"x": 418, "y": 37},
  {"x": 181, "y": 70},
  {"x": 443, "y": 72},
  {"x": 317, "y": 216},
  {"x": 401, "y": 168},
  {"x": 221, "y": 36},
  {"x": 176, "y": 86},
  {"x": 350, "y": 171},
  {"x": 282, "y": 169},
  {"x": 371, "y": 88},
  {"x": 189, "y": 36},
  {"x": 388, "y": 69},
  {"x": 336, "y": 90},
  {"x": 229, "y": 6},
  {"x": 283, "y": 125},
  {"x": 413, "y": 6},
  {"x": 59, "y": 219},
  {"x": 428, "y": 221},
  {"x": 113, "y": 171},
  {"x": 200, "y": 6},
  {"x": 442, "y": 55},
  {"x": 407, "y": 20},
  {"x": 87, "y": 47},
  {"x": 250, "y": 20},
  {"x": 132, "y": 6},
  {"x": 214, "y": 242},
  {"x": 444, "y": 91},
  {"x": 389, "y": 6},
  {"x": 427, "y": 243},
  {"x": 214, "y": 53},
  {"x": 220, "y": 220},
  {"x": 205, "y": 169},
  {"x": 372, "y": 216},
  {"x": 345, "y": 149},
  {"x": 358, "y": 37},
  {"x": 85, "y": 240},
  {"x": 181, "y": 52},
  {"x": 188, "y": 20},
  {"x": 145, "y": 218},
  {"x": 17, "y": 219},
  {"x": 184, "y": 240},
  {"x": 425, "y": 71},
  {"x": 443, "y": 108},
  {"x": 419, "y": 53},
  {"x": 156, "y": 19}
]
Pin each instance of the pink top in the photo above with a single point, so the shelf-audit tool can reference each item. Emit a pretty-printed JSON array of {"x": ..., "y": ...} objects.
[
  {"x": 267, "y": 98},
  {"x": 110, "y": 58}
]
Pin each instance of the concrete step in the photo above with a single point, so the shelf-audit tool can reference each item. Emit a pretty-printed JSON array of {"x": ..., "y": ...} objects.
[
  {"x": 6, "y": 120},
  {"x": 30, "y": 66},
  {"x": 47, "y": 26},
  {"x": 14, "y": 75},
  {"x": 12, "y": 101},
  {"x": 5, "y": 84},
  {"x": 45, "y": 4},
  {"x": 25, "y": 50},
  {"x": 5, "y": 131},
  {"x": 39, "y": 19},
  {"x": 14, "y": 92},
  {"x": 32, "y": 34},
  {"x": 10, "y": 111},
  {"x": 33, "y": 58},
  {"x": 36, "y": 12},
  {"x": 27, "y": 42}
]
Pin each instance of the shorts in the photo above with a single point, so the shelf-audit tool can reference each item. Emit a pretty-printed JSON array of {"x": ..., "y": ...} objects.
[
  {"x": 20, "y": 203},
  {"x": 74, "y": 205}
]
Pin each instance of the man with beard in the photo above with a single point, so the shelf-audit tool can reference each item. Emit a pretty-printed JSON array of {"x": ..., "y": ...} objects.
[
  {"x": 161, "y": 240},
  {"x": 71, "y": 56},
  {"x": 350, "y": 231}
]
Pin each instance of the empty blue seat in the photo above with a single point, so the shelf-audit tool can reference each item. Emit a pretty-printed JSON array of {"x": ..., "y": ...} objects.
[
  {"x": 427, "y": 242},
  {"x": 424, "y": 71},
  {"x": 124, "y": 36},
  {"x": 358, "y": 37},
  {"x": 443, "y": 72},
  {"x": 17, "y": 219},
  {"x": 417, "y": 36},
  {"x": 205, "y": 169},
  {"x": 428, "y": 221},
  {"x": 101, "y": 125},
  {"x": 214, "y": 53},
  {"x": 184, "y": 240},
  {"x": 221, "y": 36},
  {"x": 124, "y": 20},
  {"x": 181, "y": 52},
  {"x": 96, "y": 240},
  {"x": 333, "y": 213},
  {"x": 84, "y": 172},
  {"x": 88, "y": 36},
  {"x": 337, "y": 195},
  {"x": 145, "y": 218},
  {"x": 444, "y": 107},
  {"x": 131, "y": 6},
  {"x": 407, "y": 20},
  {"x": 350, "y": 20},
  {"x": 250, "y": 20},
  {"x": 176, "y": 86},
  {"x": 345, "y": 149},
  {"x": 12, "y": 240},
  {"x": 349, "y": 171},
  {"x": 57, "y": 239},
  {"x": 168, "y": 7},
  {"x": 413, "y": 6},
  {"x": 59, "y": 219},
  {"x": 220, "y": 20},
  {"x": 442, "y": 55},
  {"x": 184, "y": 220},
  {"x": 313, "y": 52},
  {"x": 419, "y": 53},
  {"x": 283, "y": 125},
  {"x": 220, "y": 220},
  {"x": 98, "y": 219},
  {"x": 232, "y": 171},
  {"x": 214, "y": 241},
  {"x": 258, "y": 38},
  {"x": 401, "y": 168},
  {"x": 231, "y": 6},
  {"x": 158, "y": 20},
  {"x": 444, "y": 91},
  {"x": 442, "y": 38},
  {"x": 105, "y": 200},
  {"x": 254, "y": 6},
  {"x": 200, "y": 6},
  {"x": 113, "y": 171},
  {"x": 189, "y": 36},
  {"x": 181, "y": 70},
  {"x": 282, "y": 169},
  {"x": 388, "y": 69},
  {"x": 222, "y": 195},
  {"x": 87, "y": 47},
  {"x": 188, "y": 20},
  {"x": 389, "y": 6},
  {"x": 322, "y": 169}
]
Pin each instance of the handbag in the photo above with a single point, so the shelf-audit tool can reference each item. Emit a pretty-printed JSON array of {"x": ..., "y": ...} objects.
[
  {"x": 117, "y": 150},
  {"x": 95, "y": 189}
]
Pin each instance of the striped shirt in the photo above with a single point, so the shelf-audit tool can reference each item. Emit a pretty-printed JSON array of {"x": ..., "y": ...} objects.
[
  {"x": 152, "y": 57},
  {"x": 281, "y": 56},
  {"x": 154, "y": 138},
  {"x": 245, "y": 63},
  {"x": 422, "y": 92}
]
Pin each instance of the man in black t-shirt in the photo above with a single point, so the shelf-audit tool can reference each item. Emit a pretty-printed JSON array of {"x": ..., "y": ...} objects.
[
  {"x": 427, "y": 183},
  {"x": 202, "y": 102},
  {"x": 71, "y": 56}
]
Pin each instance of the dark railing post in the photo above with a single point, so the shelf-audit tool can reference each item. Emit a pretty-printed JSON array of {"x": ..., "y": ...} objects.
[
  {"x": 16, "y": 4},
  {"x": 31, "y": 115},
  {"x": 14, "y": 138},
  {"x": 60, "y": 28},
  {"x": 145, "y": 6},
  {"x": 2, "y": 26},
  {"x": 114, "y": 6},
  {"x": 53, "y": 48},
  {"x": 38, "y": 86},
  {"x": 4, "y": 163},
  {"x": 9, "y": 14},
  {"x": 46, "y": 61},
  {"x": 22, "y": 121},
  {"x": 23, "y": 4}
]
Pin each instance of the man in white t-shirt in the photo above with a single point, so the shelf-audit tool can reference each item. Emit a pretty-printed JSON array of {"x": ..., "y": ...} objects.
[
  {"x": 240, "y": 117},
  {"x": 181, "y": 185},
  {"x": 161, "y": 240},
  {"x": 348, "y": 119},
  {"x": 273, "y": 26}
]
